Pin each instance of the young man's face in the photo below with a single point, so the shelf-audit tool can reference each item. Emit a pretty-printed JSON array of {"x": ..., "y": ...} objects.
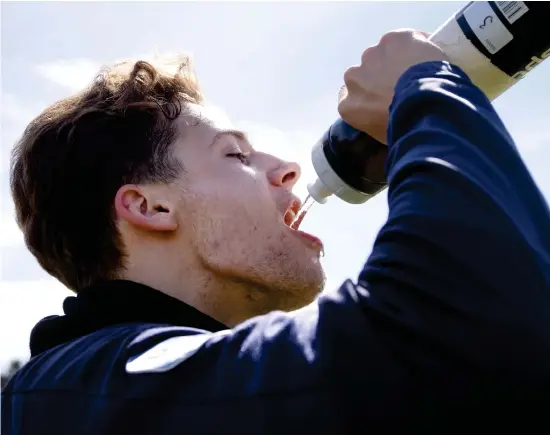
[{"x": 233, "y": 210}]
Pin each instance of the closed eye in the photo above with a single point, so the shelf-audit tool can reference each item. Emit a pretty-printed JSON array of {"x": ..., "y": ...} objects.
[{"x": 243, "y": 157}]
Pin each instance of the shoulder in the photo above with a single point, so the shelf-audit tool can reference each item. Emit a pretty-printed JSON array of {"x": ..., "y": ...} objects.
[
  {"x": 160, "y": 349},
  {"x": 92, "y": 358},
  {"x": 276, "y": 353}
]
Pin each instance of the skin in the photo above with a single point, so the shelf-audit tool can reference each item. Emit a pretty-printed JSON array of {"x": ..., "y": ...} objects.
[{"x": 215, "y": 237}]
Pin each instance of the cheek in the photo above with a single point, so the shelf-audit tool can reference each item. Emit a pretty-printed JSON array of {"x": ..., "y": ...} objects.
[
  {"x": 237, "y": 195},
  {"x": 231, "y": 216},
  {"x": 230, "y": 224}
]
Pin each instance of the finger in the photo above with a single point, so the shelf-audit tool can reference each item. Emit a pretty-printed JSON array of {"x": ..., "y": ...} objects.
[
  {"x": 350, "y": 77},
  {"x": 367, "y": 54},
  {"x": 342, "y": 93},
  {"x": 346, "y": 108}
]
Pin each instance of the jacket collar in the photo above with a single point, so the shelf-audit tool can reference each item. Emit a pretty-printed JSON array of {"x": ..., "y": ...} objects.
[{"x": 114, "y": 302}]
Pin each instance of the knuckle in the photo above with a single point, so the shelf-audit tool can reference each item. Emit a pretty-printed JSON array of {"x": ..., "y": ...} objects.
[
  {"x": 388, "y": 38},
  {"x": 344, "y": 109},
  {"x": 396, "y": 36},
  {"x": 341, "y": 106},
  {"x": 404, "y": 32},
  {"x": 349, "y": 74},
  {"x": 366, "y": 55}
]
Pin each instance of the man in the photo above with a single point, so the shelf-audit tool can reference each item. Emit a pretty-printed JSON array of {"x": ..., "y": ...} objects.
[{"x": 196, "y": 308}]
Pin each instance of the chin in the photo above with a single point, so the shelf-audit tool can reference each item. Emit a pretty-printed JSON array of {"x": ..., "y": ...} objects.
[{"x": 306, "y": 288}]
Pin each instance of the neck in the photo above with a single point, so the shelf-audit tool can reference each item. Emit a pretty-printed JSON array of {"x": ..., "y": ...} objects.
[{"x": 223, "y": 298}]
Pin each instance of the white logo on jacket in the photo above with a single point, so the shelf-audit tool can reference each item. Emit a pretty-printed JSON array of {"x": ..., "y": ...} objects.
[{"x": 167, "y": 354}]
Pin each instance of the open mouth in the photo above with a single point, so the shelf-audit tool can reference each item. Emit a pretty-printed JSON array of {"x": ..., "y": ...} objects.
[
  {"x": 293, "y": 220},
  {"x": 290, "y": 216}
]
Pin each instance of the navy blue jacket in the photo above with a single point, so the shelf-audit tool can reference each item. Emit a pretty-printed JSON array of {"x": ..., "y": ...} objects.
[{"x": 446, "y": 328}]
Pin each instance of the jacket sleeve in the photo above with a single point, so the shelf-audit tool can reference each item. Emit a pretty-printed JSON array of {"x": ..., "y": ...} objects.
[{"x": 452, "y": 303}]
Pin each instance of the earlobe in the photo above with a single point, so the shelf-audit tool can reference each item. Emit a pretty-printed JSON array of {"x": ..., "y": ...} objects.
[{"x": 141, "y": 208}]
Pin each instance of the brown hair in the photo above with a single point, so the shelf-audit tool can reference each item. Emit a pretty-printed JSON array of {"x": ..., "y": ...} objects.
[{"x": 73, "y": 158}]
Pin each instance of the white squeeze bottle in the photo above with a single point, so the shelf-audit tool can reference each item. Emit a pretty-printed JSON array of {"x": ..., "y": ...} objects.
[{"x": 495, "y": 43}]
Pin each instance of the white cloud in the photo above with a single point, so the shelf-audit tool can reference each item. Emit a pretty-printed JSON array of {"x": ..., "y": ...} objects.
[
  {"x": 73, "y": 74},
  {"x": 76, "y": 74}
]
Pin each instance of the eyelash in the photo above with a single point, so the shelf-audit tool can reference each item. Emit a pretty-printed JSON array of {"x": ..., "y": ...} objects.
[{"x": 243, "y": 157}]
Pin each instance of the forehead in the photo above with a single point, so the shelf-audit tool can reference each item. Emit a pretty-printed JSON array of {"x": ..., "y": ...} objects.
[
  {"x": 201, "y": 125},
  {"x": 209, "y": 116}
]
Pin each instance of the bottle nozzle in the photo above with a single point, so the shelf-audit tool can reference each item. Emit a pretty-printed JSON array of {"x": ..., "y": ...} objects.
[{"x": 318, "y": 191}]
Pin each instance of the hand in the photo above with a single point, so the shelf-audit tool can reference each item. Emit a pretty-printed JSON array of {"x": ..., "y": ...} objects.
[{"x": 370, "y": 86}]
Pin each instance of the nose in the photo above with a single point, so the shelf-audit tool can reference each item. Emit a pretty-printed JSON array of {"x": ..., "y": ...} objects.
[{"x": 286, "y": 175}]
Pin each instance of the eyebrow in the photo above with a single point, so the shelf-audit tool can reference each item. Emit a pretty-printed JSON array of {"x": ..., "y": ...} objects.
[{"x": 238, "y": 134}]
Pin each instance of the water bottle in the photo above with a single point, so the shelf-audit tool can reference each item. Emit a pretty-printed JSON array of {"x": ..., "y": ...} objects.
[{"x": 495, "y": 43}]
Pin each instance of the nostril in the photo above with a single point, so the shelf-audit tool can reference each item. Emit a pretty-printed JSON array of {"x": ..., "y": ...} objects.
[{"x": 289, "y": 176}]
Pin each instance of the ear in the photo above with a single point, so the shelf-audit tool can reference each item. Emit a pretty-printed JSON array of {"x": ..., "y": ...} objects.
[{"x": 141, "y": 207}]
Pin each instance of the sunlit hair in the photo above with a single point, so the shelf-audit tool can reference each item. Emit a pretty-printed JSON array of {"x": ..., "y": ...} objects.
[{"x": 72, "y": 159}]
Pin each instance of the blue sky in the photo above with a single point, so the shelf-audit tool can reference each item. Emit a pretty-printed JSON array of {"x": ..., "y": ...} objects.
[{"x": 274, "y": 68}]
